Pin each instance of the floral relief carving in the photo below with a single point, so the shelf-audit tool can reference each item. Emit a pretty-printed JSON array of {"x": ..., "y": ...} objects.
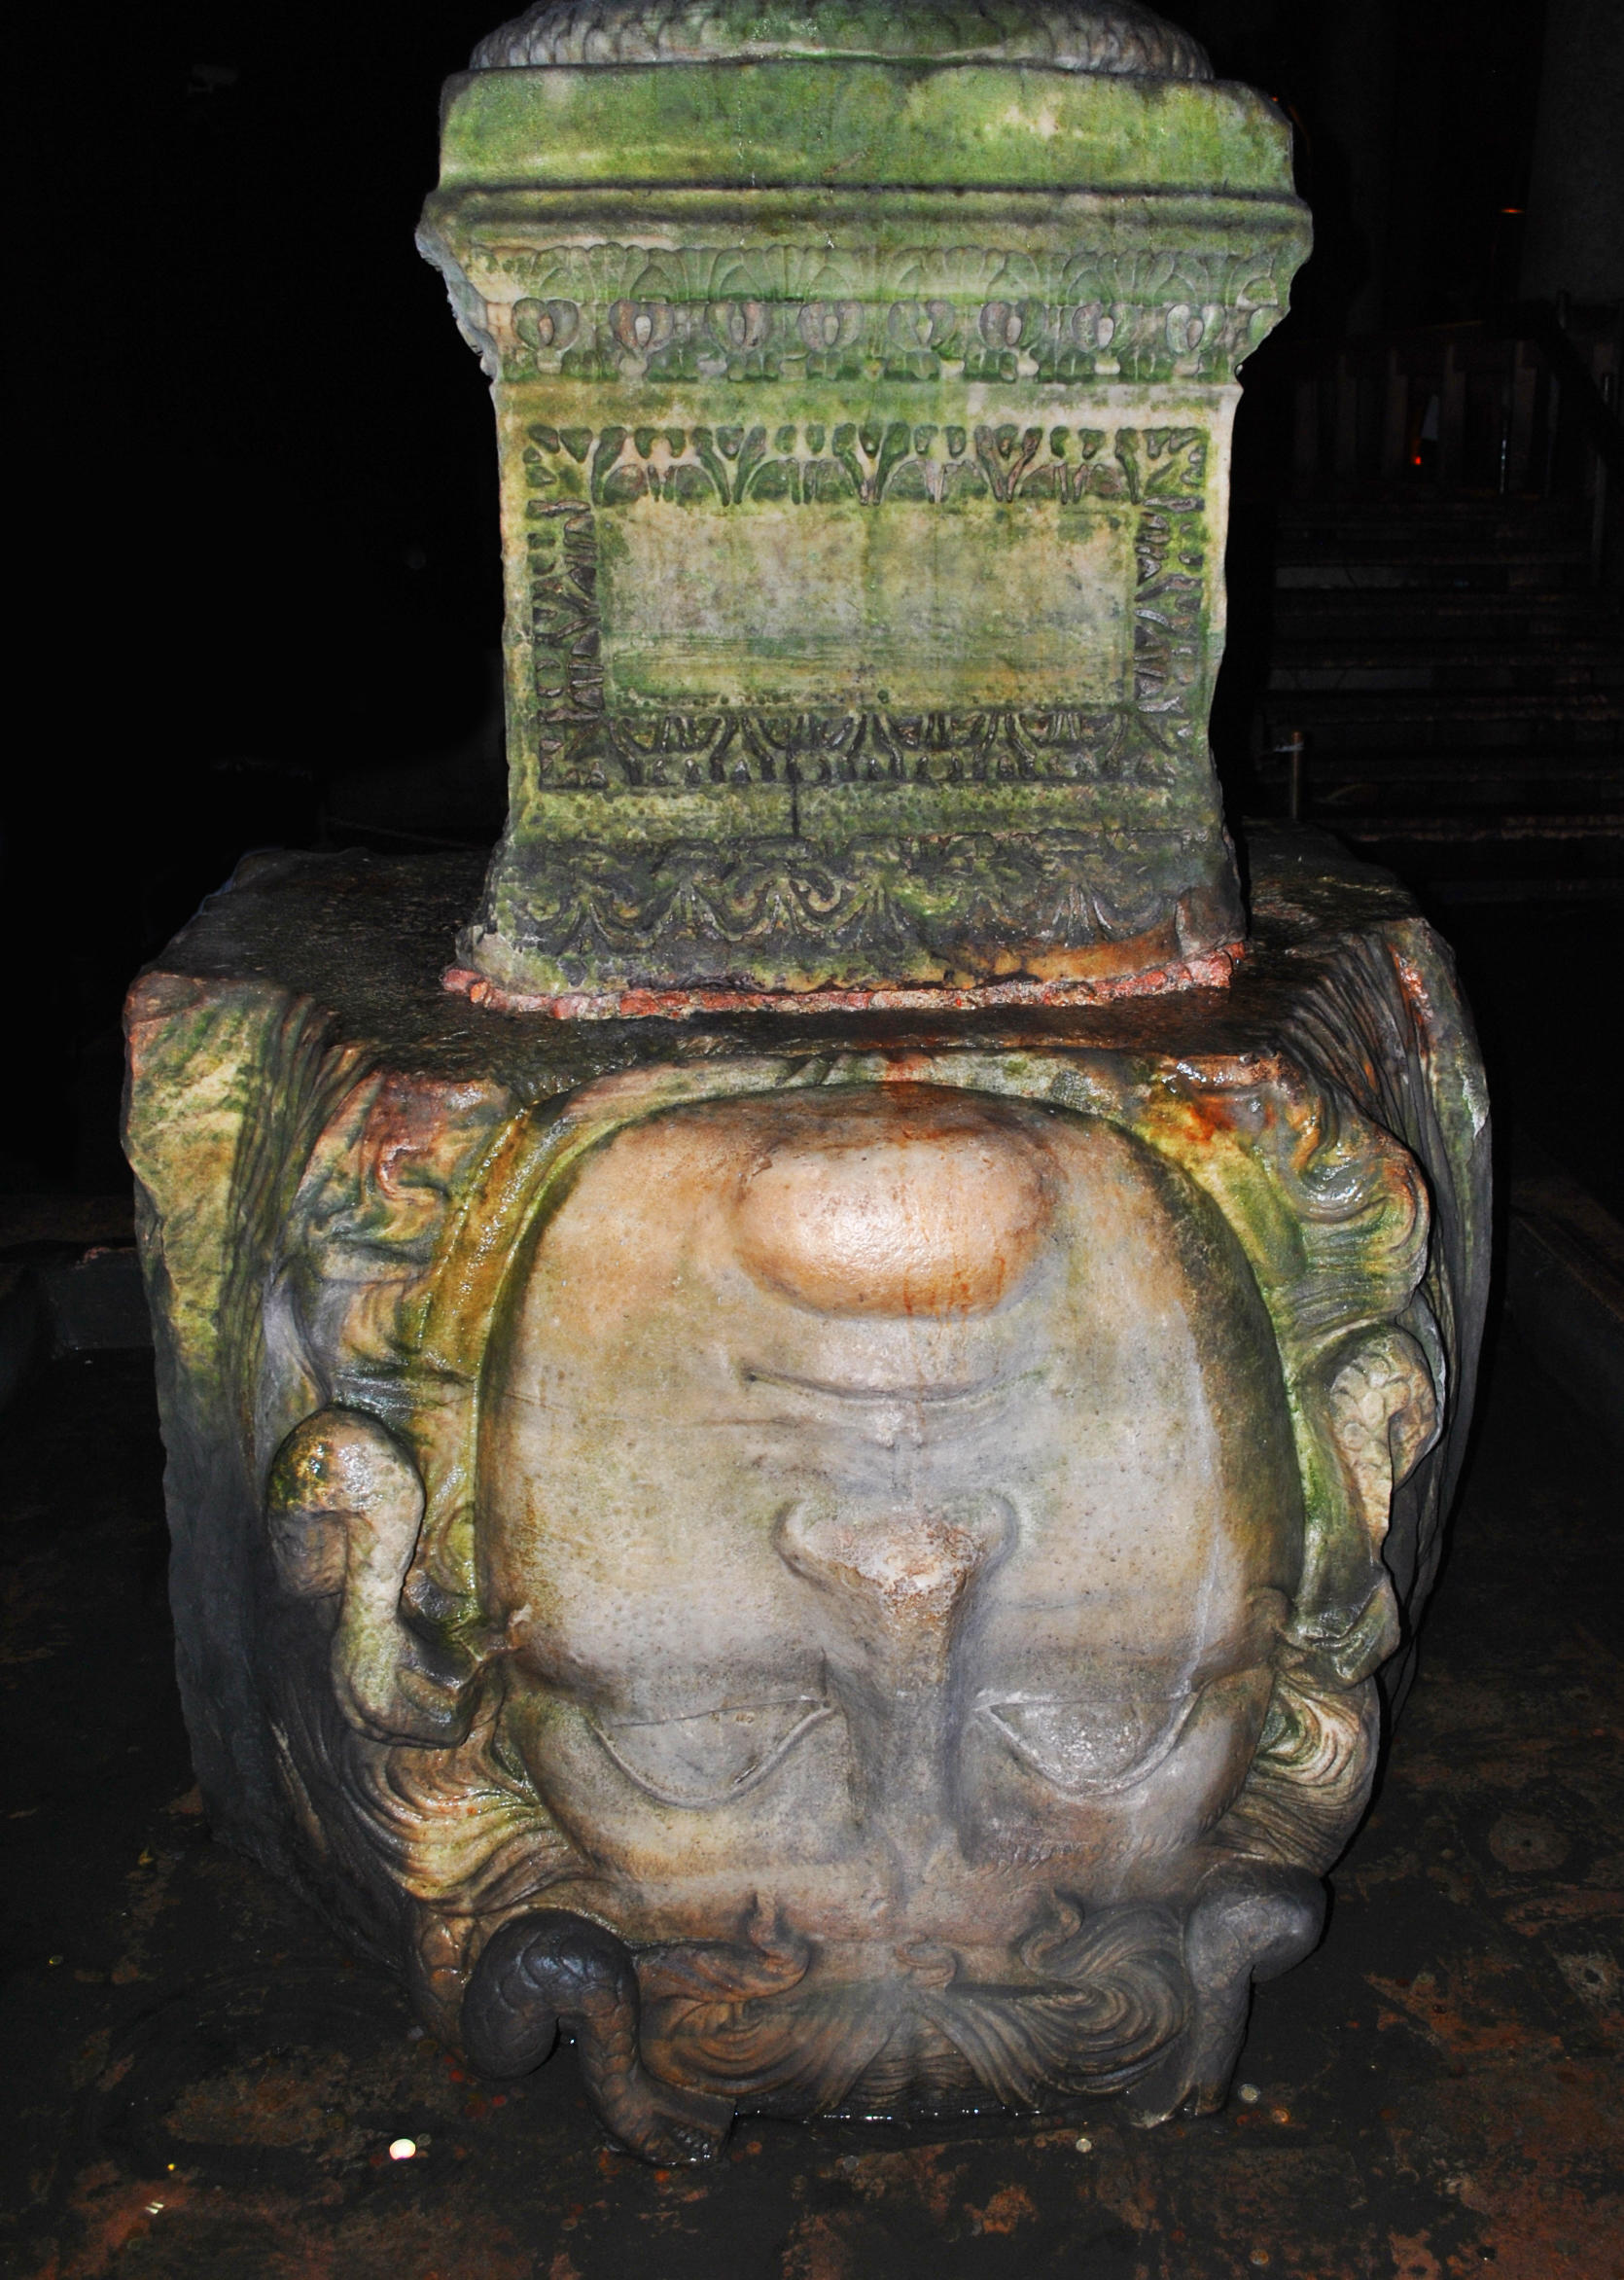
[
  {"x": 574, "y": 473},
  {"x": 976, "y": 308},
  {"x": 927, "y": 313},
  {"x": 877, "y": 886},
  {"x": 875, "y": 896}
]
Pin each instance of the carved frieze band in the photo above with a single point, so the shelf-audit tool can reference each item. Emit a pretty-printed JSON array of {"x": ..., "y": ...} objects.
[
  {"x": 911, "y": 903},
  {"x": 903, "y": 896},
  {"x": 574, "y": 474},
  {"x": 922, "y": 314}
]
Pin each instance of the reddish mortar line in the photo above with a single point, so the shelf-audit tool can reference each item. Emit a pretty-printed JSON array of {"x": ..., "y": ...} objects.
[{"x": 1213, "y": 970}]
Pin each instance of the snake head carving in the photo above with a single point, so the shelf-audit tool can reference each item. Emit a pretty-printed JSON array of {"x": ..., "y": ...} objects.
[{"x": 343, "y": 1514}]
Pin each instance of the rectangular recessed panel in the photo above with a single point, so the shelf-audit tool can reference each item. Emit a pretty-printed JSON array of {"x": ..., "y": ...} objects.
[{"x": 910, "y": 607}]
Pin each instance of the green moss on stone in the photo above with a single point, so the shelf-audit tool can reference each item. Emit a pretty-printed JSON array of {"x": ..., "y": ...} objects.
[{"x": 873, "y": 125}]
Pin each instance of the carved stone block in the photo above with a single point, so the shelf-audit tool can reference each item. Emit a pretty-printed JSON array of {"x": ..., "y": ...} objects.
[
  {"x": 852, "y": 1561},
  {"x": 864, "y": 381}
]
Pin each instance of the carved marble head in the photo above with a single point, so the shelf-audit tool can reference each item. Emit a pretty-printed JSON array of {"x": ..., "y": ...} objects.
[{"x": 897, "y": 1564}]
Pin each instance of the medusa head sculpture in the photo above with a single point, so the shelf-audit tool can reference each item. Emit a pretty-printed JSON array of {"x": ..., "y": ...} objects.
[{"x": 855, "y": 1591}]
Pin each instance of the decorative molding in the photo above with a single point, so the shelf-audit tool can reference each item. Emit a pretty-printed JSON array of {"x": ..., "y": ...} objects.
[
  {"x": 894, "y": 896},
  {"x": 1113, "y": 36},
  {"x": 911, "y": 313},
  {"x": 815, "y": 462},
  {"x": 574, "y": 474},
  {"x": 884, "y": 900}
]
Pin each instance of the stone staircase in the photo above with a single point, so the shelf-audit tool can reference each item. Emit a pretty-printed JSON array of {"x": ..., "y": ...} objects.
[{"x": 1456, "y": 680}]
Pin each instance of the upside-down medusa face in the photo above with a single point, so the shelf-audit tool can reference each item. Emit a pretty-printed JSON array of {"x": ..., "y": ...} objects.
[
  {"x": 889, "y": 1501},
  {"x": 893, "y": 1617}
]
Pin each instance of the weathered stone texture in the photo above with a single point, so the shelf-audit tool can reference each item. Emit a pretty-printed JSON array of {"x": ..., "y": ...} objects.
[
  {"x": 1109, "y": 36},
  {"x": 850, "y": 1559},
  {"x": 843, "y": 1548},
  {"x": 863, "y": 547}
]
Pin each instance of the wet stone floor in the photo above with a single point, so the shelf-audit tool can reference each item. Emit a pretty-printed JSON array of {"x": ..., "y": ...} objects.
[{"x": 200, "y": 2083}]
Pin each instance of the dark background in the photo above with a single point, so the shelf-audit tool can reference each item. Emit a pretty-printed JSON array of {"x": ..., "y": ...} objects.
[{"x": 252, "y": 463}]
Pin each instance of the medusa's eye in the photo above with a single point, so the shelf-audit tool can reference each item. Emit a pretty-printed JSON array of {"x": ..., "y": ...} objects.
[{"x": 717, "y": 1756}]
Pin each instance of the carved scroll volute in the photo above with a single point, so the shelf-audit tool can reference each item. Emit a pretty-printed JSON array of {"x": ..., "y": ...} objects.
[{"x": 343, "y": 1510}]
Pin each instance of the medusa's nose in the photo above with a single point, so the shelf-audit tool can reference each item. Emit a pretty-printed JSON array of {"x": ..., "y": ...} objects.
[{"x": 921, "y": 1205}]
